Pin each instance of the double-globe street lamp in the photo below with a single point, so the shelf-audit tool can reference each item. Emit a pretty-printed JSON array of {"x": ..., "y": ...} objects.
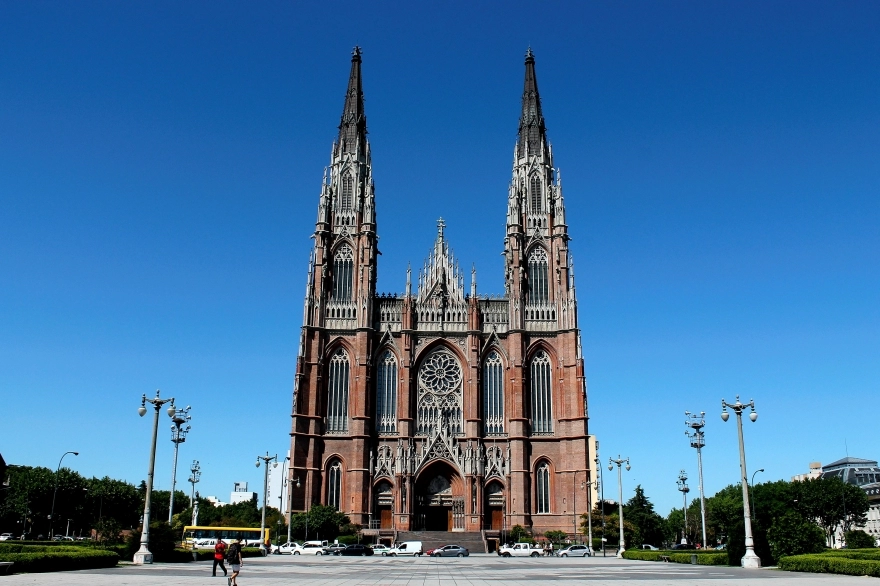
[
  {"x": 696, "y": 423},
  {"x": 683, "y": 487},
  {"x": 55, "y": 492},
  {"x": 143, "y": 555},
  {"x": 620, "y": 461},
  {"x": 750, "y": 559},
  {"x": 267, "y": 458},
  {"x": 194, "y": 477},
  {"x": 178, "y": 436}
]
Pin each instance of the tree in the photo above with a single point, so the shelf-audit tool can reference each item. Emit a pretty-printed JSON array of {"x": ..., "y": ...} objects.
[
  {"x": 324, "y": 522},
  {"x": 519, "y": 534},
  {"x": 555, "y": 536},
  {"x": 640, "y": 512},
  {"x": 858, "y": 539},
  {"x": 831, "y": 503},
  {"x": 791, "y": 534}
]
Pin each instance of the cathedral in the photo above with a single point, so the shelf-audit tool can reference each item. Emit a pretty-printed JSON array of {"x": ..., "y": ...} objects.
[{"x": 442, "y": 409}]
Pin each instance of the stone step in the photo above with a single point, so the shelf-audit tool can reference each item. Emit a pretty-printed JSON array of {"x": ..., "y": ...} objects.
[{"x": 473, "y": 541}]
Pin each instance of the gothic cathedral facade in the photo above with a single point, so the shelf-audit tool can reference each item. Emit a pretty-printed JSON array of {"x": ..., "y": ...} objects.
[{"x": 441, "y": 409}]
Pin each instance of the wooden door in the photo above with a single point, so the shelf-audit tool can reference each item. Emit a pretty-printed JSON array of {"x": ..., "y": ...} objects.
[
  {"x": 497, "y": 519},
  {"x": 385, "y": 519},
  {"x": 449, "y": 520}
]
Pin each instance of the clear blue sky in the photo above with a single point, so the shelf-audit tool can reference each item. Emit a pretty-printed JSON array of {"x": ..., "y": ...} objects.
[{"x": 160, "y": 165}]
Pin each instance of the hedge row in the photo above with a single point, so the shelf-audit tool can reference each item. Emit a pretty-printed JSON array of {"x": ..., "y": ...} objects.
[
  {"x": 828, "y": 564},
  {"x": 853, "y": 554},
  {"x": 714, "y": 558},
  {"x": 60, "y": 561},
  {"x": 6, "y": 547}
]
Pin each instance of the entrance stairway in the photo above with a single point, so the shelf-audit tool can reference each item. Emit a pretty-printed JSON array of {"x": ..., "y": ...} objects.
[{"x": 431, "y": 539}]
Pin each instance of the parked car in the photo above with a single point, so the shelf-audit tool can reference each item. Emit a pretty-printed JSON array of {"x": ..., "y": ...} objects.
[
  {"x": 722, "y": 546},
  {"x": 519, "y": 550},
  {"x": 334, "y": 549},
  {"x": 450, "y": 551},
  {"x": 356, "y": 549},
  {"x": 575, "y": 551},
  {"x": 682, "y": 546},
  {"x": 310, "y": 548},
  {"x": 380, "y": 548},
  {"x": 5, "y": 536},
  {"x": 649, "y": 546},
  {"x": 62, "y": 538},
  {"x": 413, "y": 548},
  {"x": 287, "y": 548}
]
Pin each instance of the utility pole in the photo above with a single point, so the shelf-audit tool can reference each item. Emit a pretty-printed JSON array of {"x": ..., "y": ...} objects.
[{"x": 696, "y": 423}]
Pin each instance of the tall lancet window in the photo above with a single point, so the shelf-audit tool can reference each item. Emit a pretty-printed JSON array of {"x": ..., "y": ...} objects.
[
  {"x": 343, "y": 274},
  {"x": 542, "y": 492},
  {"x": 542, "y": 393},
  {"x": 538, "y": 287},
  {"x": 537, "y": 202},
  {"x": 386, "y": 394},
  {"x": 337, "y": 393},
  {"x": 347, "y": 196},
  {"x": 493, "y": 394},
  {"x": 334, "y": 485}
]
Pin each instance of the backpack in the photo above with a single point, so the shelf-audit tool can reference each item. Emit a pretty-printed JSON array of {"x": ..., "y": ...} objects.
[{"x": 232, "y": 553}]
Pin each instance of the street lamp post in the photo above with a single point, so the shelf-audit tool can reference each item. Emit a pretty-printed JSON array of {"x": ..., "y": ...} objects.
[
  {"x": 611, "y": 462},
  {"x": 601, "y": 498},
  {"x": 194, "y": 477},
  {"x": 683, "y": 487},
  {"x": 55, "y": 493},
  {"x": 178, "y": 436},
  {"x": 266, "y": 459},
  {"x": 589, "y": 486},
  {"x": 698, "y": 440},
  {"x": 143, "y": 555},
  {"x": 750, "y": 559},
  {"x": 755, "y": 504}
]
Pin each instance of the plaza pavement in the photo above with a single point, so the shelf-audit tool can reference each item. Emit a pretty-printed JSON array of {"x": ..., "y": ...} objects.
[{"x": 477, "y": 570}]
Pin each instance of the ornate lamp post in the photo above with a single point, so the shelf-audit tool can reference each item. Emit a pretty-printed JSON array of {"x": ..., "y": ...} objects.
[
  {"x": 143, "y": 555},
  {"x": 178, "y": 436},
  {"x": 698, "y": 440},
  {"x": 751, "y": 559},
  {"x": 589, "y": 486},
  {"x": 194, "y": 477},
  {"x": 683, "y": 487},
  {"x": 55, "y": 493},
  {"x": 266, "y": 459},
  {"x": 290, "y": 508},
  {"x": 619, "y": 461},
  {"x": 601, "y": 487}
]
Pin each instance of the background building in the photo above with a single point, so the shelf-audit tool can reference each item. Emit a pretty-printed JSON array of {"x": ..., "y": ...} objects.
[
  {"x": 240, "y": 493},
  {"x": 442, "y": 409}
]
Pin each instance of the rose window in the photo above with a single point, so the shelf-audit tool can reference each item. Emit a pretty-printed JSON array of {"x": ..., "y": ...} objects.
[
  {"x": 440, "y": 373},
  {"x": 440, "y": 397}
]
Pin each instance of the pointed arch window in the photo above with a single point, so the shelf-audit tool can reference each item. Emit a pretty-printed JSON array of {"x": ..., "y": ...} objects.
[
  {"x": 541, "y": 388},
  {"x": 334, "y": 485},
  {"x": 538, "y": 291},
  {"x": 537, "y": 202},
  {"x": 493, "y": 394},
  {"x": 337, "y": 393},
  {"x": 343, "y": 274},
  {"x": 347, "y": 196},
  {"x": 542, "y": 492},
  {"x": 386, "y": 394}
]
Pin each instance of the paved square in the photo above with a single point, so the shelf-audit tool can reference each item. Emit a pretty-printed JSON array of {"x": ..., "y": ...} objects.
[{"x": 477, "y": 570}]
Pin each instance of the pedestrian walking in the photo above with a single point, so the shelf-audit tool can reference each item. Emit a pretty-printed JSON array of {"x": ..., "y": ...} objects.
[
  {"x": 233, "y": 556},
  {"x": 219, "y": 557}
]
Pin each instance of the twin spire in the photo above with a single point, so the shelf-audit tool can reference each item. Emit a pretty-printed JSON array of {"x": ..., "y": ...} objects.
[
  {"x": 532, "y": 132},
  {"x": 353, "y": 125}
]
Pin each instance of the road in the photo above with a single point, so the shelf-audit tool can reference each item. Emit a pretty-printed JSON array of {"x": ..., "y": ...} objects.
[{"x": 477, "y": 570}]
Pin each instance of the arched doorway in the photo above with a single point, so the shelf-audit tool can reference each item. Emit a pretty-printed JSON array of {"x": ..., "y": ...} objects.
[
  {"x": 440, "y": 499},
  {"x": 383, "y": 500},
  {"x": 493, "y": 515}
]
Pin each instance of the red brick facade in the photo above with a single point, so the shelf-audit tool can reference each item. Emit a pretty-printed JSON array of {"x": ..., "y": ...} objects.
[{"x": 441, "y": 409}]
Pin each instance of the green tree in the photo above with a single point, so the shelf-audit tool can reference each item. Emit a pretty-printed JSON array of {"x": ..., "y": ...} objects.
[
  {"x": 555, "y": 536},
  {"x": 649, "y": 525},
  {"x": 858, "y": 539},
  {"x": 831, "y": 503},
  {"x": 791, "y": 534},
  {"x": 324, "y": 522},
  {"x": 519, "y": 534}
]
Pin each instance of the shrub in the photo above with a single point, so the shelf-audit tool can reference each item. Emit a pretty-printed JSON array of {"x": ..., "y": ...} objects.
[
  {"x": 858, "y": 539},
  {"x": 704, "y": 558},
  {"x": 826, "y": 564},
  {"x": 519, "y": 534},
  {"x": 60, "y": 561},
  {"x": 791, "y": 534}
]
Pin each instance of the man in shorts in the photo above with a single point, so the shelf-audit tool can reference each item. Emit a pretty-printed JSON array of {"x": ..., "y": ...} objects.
[{"x": 233, "y": 556}]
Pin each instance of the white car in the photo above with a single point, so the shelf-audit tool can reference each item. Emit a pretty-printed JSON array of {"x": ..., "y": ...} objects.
[
  {"x": 380, "y": 548},
  {"x": 307, "y": 548},
  {"x": 5, "y": 536},
  {"x": 413, "y": 548},
  {"x": 575, "y": 551},
  {"x": 520, "y": 550},
  {"x": 650, "y": 547}
]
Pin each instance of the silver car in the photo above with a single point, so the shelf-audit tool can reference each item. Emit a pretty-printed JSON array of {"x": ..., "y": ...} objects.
[{"x": 575, "y": 551}]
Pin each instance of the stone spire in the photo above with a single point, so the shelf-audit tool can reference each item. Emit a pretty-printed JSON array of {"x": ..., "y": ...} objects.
[
  {"x": 353, "y": 125},
  {"x": 532, "y": 133}
]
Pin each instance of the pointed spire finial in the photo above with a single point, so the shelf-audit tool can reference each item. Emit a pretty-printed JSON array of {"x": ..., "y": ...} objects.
[
  {"x": 532, "y": 133},
  {"x": 440, "y": 226},
  {"x": 353, "y": 125}
]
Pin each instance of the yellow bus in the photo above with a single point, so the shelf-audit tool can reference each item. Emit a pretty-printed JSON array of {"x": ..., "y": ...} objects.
[{"x": 205, "y": 537}]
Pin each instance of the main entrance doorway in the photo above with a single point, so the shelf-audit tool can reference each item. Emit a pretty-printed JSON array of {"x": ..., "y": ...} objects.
[
  {"x": 439, "y": 499},
  {"x": 493, "y": 510}
]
